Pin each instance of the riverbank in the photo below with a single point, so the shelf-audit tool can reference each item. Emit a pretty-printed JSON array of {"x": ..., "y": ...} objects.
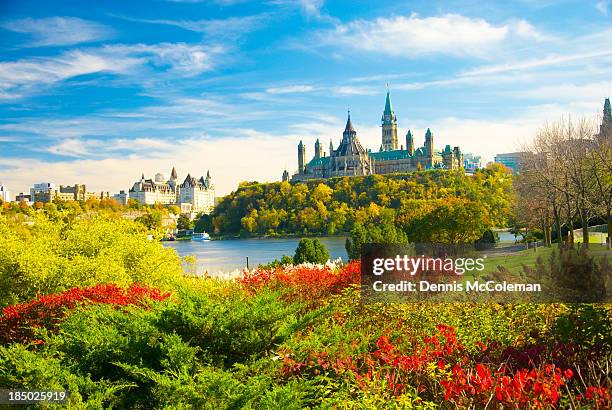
[{"x": 218, "y": 257}]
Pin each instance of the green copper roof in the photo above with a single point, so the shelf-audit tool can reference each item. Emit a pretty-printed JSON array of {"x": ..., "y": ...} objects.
[
  {"x": 315, "y": 162},
  {"x": 388, "y": 106},
  {"x": 390, "y": 155},
  {"x": 607, "y": 109}
]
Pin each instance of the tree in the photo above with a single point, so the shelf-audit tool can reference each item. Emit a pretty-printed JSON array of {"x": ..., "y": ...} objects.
[
  {"x": 488, "y": 240},
  {"x": 184, "y": 222},
  {"x": 173, "y": 209},
  {"x": 151, "y": 220},
  {"x": 353, "y": 244},
  {"x": 452, "y": 221},
  {"x": 312, "y": 251},
  {"x": 560, "y": 182}
]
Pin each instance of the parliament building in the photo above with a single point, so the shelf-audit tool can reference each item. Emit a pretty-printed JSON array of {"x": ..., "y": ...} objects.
[{"x": 351, "y": 159}]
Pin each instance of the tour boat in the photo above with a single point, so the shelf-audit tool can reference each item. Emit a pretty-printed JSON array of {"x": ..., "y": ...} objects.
[{"x": 200, "y": 236}]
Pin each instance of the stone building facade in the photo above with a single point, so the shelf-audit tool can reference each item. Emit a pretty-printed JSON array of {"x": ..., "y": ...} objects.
[
  {"x": 193, "y": 195},
  {"x": 351, "y": 159}
]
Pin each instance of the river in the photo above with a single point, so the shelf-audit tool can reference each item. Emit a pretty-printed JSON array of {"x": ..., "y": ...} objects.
[{"x": 229, "y": 255}]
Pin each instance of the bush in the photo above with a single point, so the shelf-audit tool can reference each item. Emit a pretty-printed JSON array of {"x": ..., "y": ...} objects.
[
  {"x": 488, "y": 240},
  {"x": 19, "y": 323},
  {"x": 50, "y": 256},
  {"x": 310, "y": 251}
]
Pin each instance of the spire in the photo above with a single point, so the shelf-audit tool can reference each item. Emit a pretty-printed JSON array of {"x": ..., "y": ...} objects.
[
  {"x": 349, "y": 124},
  {"x": 208, "y": 174},
  {"x": 173, "y": 174},
  {"x": 142, "y": 177},
  {"x": 331, "y": 147},
  {"x": 388, "y": 106},
  {"x": 607, "y": 109},
  {"x": 428, "y": 133}
]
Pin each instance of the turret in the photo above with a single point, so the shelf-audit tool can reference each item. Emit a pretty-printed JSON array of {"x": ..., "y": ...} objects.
[
  {"x": 173, "y": 174},
  {"x": 428, "y": 143},
  {"x": 331, "y": 148},
  {"x": 318, "y": 150},
  {"x": 301, "y": 157},
  {"x": 410, "y": 143},
  {"x": 429, "y": 148},
  {"x": 458, "y": 157}
]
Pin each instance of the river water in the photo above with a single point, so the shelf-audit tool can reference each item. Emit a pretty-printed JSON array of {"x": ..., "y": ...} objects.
[{"x": 229, "y": 255}]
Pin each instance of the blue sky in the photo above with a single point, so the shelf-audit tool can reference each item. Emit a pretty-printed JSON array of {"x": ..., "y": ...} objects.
[{"x": 98, "y": 93}]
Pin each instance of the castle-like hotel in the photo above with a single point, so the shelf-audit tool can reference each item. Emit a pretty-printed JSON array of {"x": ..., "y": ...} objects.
[
  {"x": 193, "y": 195},
  {"x": 351, "y": 159}
]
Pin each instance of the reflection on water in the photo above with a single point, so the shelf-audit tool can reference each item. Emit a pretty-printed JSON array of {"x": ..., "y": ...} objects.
[{"x": 228, "y": 255}]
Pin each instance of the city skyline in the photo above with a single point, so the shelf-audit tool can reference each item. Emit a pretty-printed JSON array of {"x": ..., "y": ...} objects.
[{"x": 99, "y": 95}]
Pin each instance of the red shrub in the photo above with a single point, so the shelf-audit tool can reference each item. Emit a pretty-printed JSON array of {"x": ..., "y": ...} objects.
[
  {"x": 304, "y": 282},
  {"x": 439, "y": 365},
  {"x": 18, "y": 322}
]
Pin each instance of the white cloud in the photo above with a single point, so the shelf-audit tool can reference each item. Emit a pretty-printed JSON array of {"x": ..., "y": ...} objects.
[
  {"x": 219, "y": 2},
  {"x": 589, "y": 93},
  {"x": 187, "y": 59},
  {"x": 550, "y": 60},
  {"x": 230, "y": 161},
  {"x": 603, "y": 6},
  {"x": 230, "y": 28},
  {"x": 413, "y": 36},
  {"x": 290, "y": 89},
  {"x": 311, "y": 7},
  {"x": 58, "y": 31},
  {"x": 22, "y": 77},
  {"x": 353, "y": 90}
]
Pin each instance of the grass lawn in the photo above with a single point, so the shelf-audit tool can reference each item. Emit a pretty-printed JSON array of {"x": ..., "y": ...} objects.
[
  {"x": 594, "y": 237},
  {"x": 515, "y": 261}
]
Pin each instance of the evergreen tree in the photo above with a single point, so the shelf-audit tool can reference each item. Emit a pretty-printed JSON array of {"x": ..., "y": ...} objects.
[{"x": 312, "y": 251}]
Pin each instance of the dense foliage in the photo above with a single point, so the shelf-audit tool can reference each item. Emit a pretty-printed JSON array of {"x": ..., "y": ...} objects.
[
  {"x": 42, "y": 254},
  {"x": 427, "y": 205},
  {"x": 312, "y": 251},
  {"x": 299, "y": 337}
]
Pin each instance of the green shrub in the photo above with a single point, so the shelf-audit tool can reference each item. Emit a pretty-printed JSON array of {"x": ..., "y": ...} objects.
[
  {"x": 310, "y": 251},
  {"x": 49, "y": 256}
]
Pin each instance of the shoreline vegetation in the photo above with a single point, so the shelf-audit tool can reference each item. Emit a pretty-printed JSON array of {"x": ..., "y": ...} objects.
[{"x": 95, "y": 308}]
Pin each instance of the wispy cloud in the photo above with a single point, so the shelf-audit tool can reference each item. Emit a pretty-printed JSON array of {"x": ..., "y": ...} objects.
[
  {"x": 541, "y": 62},
  {"x": 413, "y": 36},
  {"x": 353, "y": 90},
  {"x": 603, "y": 6},
  {"x": 230, "y": 28},
  {"x": 58, "y": 31},
  {"x": 219, "y": 2},
  {"x": 22, "y": 77},
  {"x": 290, "y": 89},
  {"x": 311, "y": 9}
]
